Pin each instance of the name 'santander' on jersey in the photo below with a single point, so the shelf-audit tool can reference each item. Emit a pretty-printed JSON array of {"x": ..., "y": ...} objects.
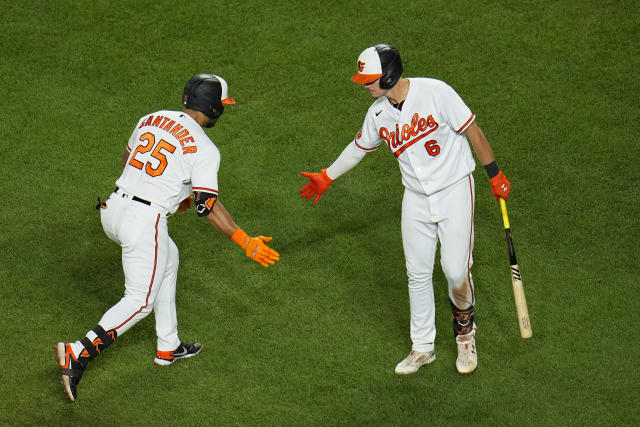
[{"x": 170, "y": 154}]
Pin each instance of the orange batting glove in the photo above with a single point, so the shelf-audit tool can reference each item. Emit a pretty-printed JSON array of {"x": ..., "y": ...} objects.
[
  {"x": 500, "y": 186},
  {"x": 255, "y": 248},
  {"x": 317, "y": 185}
]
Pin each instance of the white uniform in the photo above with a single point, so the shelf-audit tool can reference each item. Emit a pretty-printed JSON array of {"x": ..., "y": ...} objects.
[
  {"x": 170, "y": 157},
  {"x": 436, "y": 165}
]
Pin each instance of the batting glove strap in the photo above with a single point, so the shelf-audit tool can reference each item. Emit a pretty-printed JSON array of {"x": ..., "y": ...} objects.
[{"x": 241, "y": 238}]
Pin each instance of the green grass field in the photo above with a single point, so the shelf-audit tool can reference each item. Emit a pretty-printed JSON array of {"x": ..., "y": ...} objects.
[{"x": 314, "y": 340}]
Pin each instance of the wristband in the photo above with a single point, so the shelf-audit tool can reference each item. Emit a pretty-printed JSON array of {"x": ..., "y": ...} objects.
[
  {"x": 241, "y": 238},
  {"x": 492, "y": 169},
  {"x": 325, "y": 175}
]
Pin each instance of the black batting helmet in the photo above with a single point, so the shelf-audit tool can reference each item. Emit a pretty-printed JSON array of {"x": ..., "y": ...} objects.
[
  {"x": 381, "y": 61},
  {"x": 204, "y": 93}
]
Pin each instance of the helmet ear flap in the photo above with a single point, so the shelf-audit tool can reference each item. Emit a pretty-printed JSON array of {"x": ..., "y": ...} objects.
[
  {"x": 203, "y": 93},
  {"x": 391, "y": 63}
]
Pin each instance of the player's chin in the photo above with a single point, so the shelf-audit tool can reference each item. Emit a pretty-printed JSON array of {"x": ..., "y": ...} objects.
[{"x": 211, "y": 123}]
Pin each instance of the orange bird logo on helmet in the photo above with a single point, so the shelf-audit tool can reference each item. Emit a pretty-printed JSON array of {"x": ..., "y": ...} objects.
[{"x": 360, "y": 66}]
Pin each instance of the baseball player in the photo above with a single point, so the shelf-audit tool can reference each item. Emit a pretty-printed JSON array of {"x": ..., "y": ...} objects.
[
  {"x": 169, "y": 165},
  {"x": 426, "y": 126}
]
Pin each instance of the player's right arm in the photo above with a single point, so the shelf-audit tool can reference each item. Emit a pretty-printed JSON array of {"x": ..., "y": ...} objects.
[
  {"x": 320, "y": 182},
  {"x": 366, "y": 140},
  {"x": 346, "y": 161}
]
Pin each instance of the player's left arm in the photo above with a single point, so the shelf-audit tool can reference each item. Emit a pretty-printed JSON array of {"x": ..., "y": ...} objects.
[
  {"x": 254, "y": 247},
  {"x": 221, "y": 219},
  {"x": 500, "y": 185},
  {"x": 480, "y": 144}
]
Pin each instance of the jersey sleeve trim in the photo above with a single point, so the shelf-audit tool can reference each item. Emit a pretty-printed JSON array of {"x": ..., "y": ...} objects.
[
  {"x": 467, "y": 124},
  {"x": 206, "y": 190},
  {"x": 363, "y": 148}
]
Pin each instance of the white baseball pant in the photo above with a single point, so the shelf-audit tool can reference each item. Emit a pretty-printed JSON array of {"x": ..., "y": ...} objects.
[
  {"x": 150, "y": 263},
  {"x": 446, "y": 216}
]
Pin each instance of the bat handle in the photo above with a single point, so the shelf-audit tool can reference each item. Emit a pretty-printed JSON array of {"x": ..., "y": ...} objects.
[{"x": 505, "y": 217}]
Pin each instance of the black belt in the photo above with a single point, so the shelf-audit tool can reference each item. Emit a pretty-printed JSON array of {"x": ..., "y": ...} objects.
[{"x": 136, "y": 198}]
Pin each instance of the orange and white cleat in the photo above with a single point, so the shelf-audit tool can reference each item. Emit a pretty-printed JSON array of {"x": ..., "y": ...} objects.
[
  {"x": 71, "y": 370},
  {"x": 164, "y": 358}
]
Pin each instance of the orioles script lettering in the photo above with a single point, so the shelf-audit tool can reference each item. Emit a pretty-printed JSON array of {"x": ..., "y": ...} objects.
[{"x": 409, "y": 134}]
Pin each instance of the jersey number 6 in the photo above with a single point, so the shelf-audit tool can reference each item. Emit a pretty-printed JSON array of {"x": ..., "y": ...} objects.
[
  {"x": 432, "y": 147},
  {"x": 156, "y": 154}
]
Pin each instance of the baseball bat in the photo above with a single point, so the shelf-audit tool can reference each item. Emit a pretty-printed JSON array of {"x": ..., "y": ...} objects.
[{"x": 516, "y": 279}]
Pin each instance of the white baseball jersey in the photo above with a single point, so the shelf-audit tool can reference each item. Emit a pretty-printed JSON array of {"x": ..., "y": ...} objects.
[
  {"x": 170, "y": 157},
  {"x": 425, "y": 136}
]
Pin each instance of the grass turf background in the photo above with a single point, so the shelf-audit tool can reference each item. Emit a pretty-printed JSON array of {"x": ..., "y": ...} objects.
[{"x": 313, "y": 341}]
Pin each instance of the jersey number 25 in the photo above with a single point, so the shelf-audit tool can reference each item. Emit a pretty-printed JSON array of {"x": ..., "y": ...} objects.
[{"x": 157, "y": 154}]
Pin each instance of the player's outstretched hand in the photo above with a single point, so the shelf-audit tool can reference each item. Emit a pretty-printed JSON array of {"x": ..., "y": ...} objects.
[
  {"x": 500, "y": 186},
  {"x": 255, "y": 248},
  {"x": 261, "y": 253},
  {"x": 317, "y": 185}
]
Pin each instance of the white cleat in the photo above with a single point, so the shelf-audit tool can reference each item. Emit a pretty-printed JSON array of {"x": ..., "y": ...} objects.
[
  {"x": 413, "y": 361},
  {"x": 467, "y": 356}
]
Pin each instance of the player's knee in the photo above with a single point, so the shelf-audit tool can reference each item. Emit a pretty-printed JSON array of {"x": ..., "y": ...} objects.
[
  {"x": 146, "y": 309},
  {"x": 461, "y": 291},
  {"x": 419, "y": 282},
  {"x": 143, "y": 308},
  {"x": 455, "y": 274},
  {"x": 141, "y": 302}
]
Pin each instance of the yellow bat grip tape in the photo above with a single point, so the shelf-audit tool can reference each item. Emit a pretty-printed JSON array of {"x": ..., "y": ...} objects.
[{"x": 505, "y": 218}]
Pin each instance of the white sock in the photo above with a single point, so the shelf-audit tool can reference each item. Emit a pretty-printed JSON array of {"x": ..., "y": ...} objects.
[{"x": 77, "y": 346}]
